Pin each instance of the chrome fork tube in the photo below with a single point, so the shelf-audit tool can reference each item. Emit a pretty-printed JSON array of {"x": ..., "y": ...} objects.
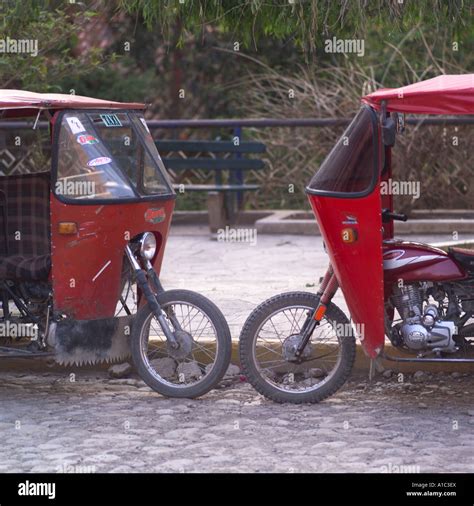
[
  {"x": 150, "y": 297},
  {"x": 327, "y": 291}
]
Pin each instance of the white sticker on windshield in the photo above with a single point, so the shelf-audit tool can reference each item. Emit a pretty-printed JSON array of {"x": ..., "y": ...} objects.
[
  {"x": 102, "y": 160},
  {"x": 144, "y": 124},
  {"x": 75, "y": 125}
]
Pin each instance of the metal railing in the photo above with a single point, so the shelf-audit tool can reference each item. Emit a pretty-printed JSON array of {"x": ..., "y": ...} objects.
[
  {"x": 258, "y": 122},
  {"x": 16, "y": 159}
]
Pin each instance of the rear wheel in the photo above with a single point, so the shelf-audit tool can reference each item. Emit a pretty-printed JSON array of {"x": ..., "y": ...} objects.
[
  {"x": 267, "y": 343},
  {"x": 205, "y": 348}
]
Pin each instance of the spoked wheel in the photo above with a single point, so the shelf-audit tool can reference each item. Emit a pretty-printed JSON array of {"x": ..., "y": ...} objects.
[
  {"x": 204, "y": 351},
  {"x": 272, "y": 333}
]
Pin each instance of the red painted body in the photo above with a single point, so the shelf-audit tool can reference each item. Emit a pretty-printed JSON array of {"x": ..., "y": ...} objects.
[
  {"x": 369, "y": 262},
  {"x": 357, "y": 265},
  {"x": 368, "y": 268},
  {"x": 366, "y": 271},
  {"x": 80, "y": 289},
  {"x": 412, "y": 261},
  {"x": 86, "y": 267},
  {"x": 86, "y": 272}
]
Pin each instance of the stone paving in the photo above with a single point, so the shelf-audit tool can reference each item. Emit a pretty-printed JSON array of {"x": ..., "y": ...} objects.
[{"x": 49, "y": 422}]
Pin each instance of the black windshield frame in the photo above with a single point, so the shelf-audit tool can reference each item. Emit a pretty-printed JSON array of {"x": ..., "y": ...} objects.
[
  {"x": 375, "y": 166},
  {"x": 58, "y": 118}
]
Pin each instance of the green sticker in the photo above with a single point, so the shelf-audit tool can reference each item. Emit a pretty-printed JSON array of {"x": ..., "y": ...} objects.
[{"x": 110, "y": 120}]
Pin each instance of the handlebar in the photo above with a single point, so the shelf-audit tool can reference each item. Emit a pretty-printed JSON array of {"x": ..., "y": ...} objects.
[{"x": 388, "y": 215}]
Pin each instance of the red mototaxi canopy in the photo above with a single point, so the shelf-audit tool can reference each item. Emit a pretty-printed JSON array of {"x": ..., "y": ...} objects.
[
  {"x": 18, "y": 99},
  {"x": 446, "y": 94}
]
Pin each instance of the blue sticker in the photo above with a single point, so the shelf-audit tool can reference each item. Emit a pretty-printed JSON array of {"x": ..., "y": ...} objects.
[{"x": 110, "y": 120}]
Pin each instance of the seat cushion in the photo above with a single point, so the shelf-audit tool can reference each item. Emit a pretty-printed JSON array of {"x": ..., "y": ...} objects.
[
  {"x": 464, "y": 256},
  {"x": 25, "y": 268},
  {"x": 26, "y": 201}
]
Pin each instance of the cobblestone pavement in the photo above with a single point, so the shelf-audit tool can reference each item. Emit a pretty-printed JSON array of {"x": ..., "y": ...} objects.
[{"x": 50, "y": 424}]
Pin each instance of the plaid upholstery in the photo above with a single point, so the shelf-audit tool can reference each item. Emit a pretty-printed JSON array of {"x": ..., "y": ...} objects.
[
  {"x": 32, "y": 268},
  {"x": 28, "y": 229}
]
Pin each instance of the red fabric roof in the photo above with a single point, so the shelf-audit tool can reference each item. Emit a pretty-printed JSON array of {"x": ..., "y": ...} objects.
[
  {"x": 446, "y": 94},
  {"x": 12, "y": 99}
]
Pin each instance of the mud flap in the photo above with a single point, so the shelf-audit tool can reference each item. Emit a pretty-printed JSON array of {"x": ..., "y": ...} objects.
[{"x": 82, "y": 342}]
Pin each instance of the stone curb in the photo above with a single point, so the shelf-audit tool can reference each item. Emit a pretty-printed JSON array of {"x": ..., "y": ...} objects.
[
  {"x": 362, "y": 364},
  {"x": 301, "y": 223}
]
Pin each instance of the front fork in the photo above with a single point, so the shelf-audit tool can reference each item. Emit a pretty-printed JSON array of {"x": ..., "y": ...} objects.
[
  {"x": 142, "y": 282},
  {"x": 326, "y": 292}
]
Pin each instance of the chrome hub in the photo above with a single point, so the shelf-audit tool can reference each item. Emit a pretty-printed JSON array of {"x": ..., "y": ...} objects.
[
  {"x": 290, "y": 345},
  {"x": 184, "y": 340}
]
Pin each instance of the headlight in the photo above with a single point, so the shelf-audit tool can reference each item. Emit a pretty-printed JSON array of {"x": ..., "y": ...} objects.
[{"x": 147, "y": 246}]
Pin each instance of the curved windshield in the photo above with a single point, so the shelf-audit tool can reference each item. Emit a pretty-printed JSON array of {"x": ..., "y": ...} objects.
[
  {"x": 351, "y": 165},
  {"x": 108, "y": 155},
  {"x": 150, "y": 184}
]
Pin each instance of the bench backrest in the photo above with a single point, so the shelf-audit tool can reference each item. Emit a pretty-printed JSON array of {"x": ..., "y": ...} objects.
[
  {"x": 199, "y": 152},
  {"x": 24, "y": 202}
]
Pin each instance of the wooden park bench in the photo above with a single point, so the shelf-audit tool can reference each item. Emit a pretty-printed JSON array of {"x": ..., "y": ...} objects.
[{"x": 228, "y": 164}]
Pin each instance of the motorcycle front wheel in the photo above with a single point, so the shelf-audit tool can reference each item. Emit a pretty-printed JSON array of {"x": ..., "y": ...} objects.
[
  {"x": 204, "y": 351},
  {"x": 271, "y": 334}
]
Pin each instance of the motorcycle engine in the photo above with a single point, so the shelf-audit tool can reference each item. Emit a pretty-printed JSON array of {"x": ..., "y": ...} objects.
[{"x": 421, "y": 328}]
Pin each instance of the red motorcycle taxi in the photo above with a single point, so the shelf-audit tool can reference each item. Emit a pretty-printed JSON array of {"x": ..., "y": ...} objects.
[
  {"x": 83, "y": 234},
  {"x": 300, "y": 347}
]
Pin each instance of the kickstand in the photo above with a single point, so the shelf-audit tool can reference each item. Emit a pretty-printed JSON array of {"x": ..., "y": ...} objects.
[{"x": 375, "y": 367}]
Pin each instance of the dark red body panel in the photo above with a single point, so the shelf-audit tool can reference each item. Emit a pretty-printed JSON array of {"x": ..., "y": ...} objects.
[
  {"x": 357, "y": 265},
  {"x": 412, "y": 261},
  {"x": 86, "y": 267}
]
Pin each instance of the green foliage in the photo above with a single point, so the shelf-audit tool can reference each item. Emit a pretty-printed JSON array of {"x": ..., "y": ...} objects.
[
  {"x": 306, "y": 22},
  {"x": 113, "y": 83},
  {"x": 191, "y": 46},
  {"x": 56, "y": 36}
]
